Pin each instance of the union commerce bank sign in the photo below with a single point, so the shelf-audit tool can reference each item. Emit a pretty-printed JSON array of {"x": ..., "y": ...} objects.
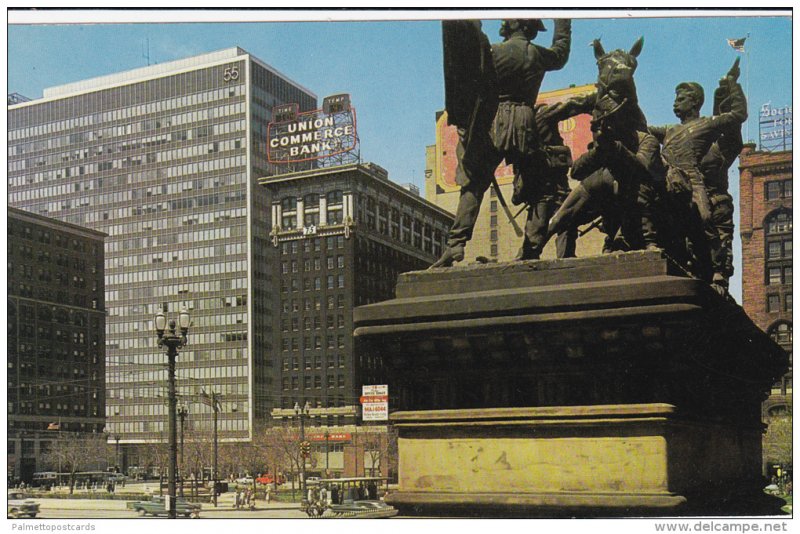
[{"x": 317, "y": 134}]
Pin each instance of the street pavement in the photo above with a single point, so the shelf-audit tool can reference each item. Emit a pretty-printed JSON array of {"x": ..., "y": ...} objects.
[{"x": 108, "y": 509}]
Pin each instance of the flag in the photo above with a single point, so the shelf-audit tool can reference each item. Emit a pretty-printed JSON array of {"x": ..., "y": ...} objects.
[
  {"x": 54, "y": 426},
  {"x": 737, "y": 44}
]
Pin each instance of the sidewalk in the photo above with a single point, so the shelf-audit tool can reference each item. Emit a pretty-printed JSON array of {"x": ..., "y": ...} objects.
[{"x": 107, "y": 504}]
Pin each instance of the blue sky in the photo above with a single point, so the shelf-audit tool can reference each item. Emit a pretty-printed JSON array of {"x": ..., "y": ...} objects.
[{"x": 393, "y": 69}]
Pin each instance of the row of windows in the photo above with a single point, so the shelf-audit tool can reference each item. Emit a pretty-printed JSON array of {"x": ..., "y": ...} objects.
[
  {"x": 151, "y": 384},
  {"x": 778, "y": 254},
  {"x": 223, "y": 425},
  {"x": 217, "y": 320},
  {"x": 224, "y": 284},
  {"x": 190, "y": 169},
  {"x": 172, "y": 273},
  {"x": 293, "y": 324},
  {"x": 159, "y": 358},
  {"x": 315, "y": 244},
  {"x": 774, "y": 303},
  {"x": 293, "y": 305},
  {"x": 114, "y": 116},
  {"x": 309, "y": 343},
  {"x": 182, "y": 254},
  {"x": 333, "y": 381},
  {"x": 313, "y": 361},
  {"x": 174, "y": 237},
  {"x": 313, "y": 284},
  {"x": 32, "y": 232},
  {"x": 311, "y": 201},
  {"x": 146, "y": 143},
  {"x": 314, "y": 264},
  {"x": 148, "y": 341},
  {"x": 778, "y": 189}
]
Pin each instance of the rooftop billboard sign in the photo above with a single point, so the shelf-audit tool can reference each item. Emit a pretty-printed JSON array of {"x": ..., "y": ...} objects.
[{"x": 312, "y": 135}]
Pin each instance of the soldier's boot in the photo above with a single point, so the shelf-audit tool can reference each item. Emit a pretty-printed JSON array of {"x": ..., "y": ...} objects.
[
  {"x": 527, "y": 252},
  {"x": 451, "y": 255}
]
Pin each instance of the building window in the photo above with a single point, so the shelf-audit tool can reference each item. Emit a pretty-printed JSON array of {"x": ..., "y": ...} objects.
[
  {"x": 778, "y": 189},
  {"x": 773, "y": 303},
  {"x": 781, "y": 333},
  {"x": 778, "y": 253}
]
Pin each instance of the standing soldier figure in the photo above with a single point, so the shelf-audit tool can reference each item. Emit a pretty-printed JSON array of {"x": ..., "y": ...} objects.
[
  {"x": 684, "y": 147},
  {"x": 715, "y": 167},
  {"x": 518, "y": 67}
]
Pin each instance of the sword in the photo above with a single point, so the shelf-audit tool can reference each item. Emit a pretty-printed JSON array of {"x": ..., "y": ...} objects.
[
  {"x": 511, "y": 218},
  {"x": 595, "y": 223}
]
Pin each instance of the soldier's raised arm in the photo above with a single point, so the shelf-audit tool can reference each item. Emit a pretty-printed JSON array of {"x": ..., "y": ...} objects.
[
  {"x": 734, "y": 104},
  {"x": 557, "y": 55}
]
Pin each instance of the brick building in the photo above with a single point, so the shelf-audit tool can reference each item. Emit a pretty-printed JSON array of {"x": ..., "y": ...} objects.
[
  {"x": 765, "y": 192},
  {"x": 56, "y": 336}
]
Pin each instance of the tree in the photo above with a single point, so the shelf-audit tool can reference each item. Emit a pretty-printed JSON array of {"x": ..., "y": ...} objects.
[
  {"x": 380, "y": 448},
  {"x": 284, "y": 444},
  {"x": 156, "y": 455},
  {"x": 777, "y": 440},
  {"x": 74, "y": 452}
]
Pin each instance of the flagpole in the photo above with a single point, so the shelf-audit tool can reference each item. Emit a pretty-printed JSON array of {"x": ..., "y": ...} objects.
[{"x": 747, "y": 87}]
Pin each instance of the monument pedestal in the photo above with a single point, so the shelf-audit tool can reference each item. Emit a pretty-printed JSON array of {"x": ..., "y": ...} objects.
[{"x": 612, "y": 385}]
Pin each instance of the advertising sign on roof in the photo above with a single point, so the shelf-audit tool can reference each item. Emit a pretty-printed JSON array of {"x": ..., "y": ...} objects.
[{"x": 322, "y": 133}]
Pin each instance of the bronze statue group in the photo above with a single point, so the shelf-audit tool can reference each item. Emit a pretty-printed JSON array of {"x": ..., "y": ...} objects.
[{"x": 646, "y": 187}]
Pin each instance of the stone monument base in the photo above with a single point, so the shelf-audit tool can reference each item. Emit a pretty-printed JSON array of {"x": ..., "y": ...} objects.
[
  {"x": 612, "y": 385},
  {"x": 612, "y": 460}
]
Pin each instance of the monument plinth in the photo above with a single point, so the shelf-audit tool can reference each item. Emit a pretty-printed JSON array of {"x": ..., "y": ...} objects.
[{"x": 605, "y": 385}]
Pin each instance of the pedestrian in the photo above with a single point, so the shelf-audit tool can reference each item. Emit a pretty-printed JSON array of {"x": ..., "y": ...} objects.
[
  {"x": 267, "y": 496},
  {"x": 236, "y": 499}
]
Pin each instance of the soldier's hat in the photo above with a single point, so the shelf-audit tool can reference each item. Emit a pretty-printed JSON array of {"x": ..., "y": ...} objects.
[
  {"x": 536, "y": 24},
  {"x": 529, "y": 26}
]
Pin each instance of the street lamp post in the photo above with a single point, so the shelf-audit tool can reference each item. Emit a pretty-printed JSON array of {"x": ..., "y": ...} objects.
[
  {"x": 327, "y": 450},
  {"x": 213, "y": 401},
  {"x": 302, "y": 413},
  {"x": 116, "y": 454},
  {"x": 172, "y": 342},
  {"x": 183, "y": 411}
]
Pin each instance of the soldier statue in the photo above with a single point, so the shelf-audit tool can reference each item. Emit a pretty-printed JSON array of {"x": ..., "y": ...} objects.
[
  {"x": 683, "y": 148},
  {"x": 519, "y": 67},
  {"x": 714, "y": 167}
]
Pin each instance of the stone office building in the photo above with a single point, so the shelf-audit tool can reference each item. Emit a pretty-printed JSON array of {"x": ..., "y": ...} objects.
[
  {"x": 343, "y": 235},
  {"x": 164, "y": 159},
  {"x": 765, "y": 196},
  {"x": 56, "y": 336},
  {"x": 765, "y": 186}
]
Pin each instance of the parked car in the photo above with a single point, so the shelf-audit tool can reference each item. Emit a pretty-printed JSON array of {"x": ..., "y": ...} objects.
[
  {"x": 157, "y": 507},
  {"x": 19, "y": 506},
  {"x": 269, "y": 479},
  {"x": 247, "y": 481}
]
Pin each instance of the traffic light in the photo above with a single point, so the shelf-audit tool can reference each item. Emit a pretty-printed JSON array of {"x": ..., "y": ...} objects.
[{"x": 305, "y": 449}]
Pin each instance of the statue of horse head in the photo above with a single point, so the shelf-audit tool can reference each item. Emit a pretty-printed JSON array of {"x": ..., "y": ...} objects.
[
  {"x": 616, "y": 90},
  {"x": 615, "y": 71}
]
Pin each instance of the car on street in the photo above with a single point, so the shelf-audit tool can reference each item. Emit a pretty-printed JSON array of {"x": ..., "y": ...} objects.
[
  {"x": 157, "y": 507},
  {"x": 19, "y": 506},
  {"x": 269, "y": 479},
  {"x": 247, "y": 481}
]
